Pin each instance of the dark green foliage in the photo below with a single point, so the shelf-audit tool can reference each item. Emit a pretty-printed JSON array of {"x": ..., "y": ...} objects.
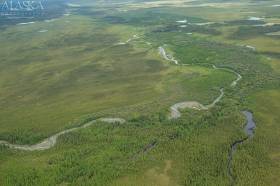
[
  {"x": 188, "y": 29},
  {"x": 27, "y": 136},
  {"x": 245, "y": 22},
  {"x": 247, "y": 32},
  {"x": 54, "y": 82}
]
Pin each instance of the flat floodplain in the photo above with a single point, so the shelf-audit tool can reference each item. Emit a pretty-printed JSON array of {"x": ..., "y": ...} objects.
[{"x": 105, "y": 60}]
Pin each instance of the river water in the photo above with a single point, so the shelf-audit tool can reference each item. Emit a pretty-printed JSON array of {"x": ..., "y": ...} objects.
[
  {"x": 249, "y": 130},
  {"x": 250, "y": 125}
]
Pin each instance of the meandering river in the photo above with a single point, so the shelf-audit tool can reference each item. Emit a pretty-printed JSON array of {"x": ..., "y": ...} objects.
[
  {"x": 175, "y": 109},
  {"x": 52, "y": 140},
  {"x": 174, "y": 112}
]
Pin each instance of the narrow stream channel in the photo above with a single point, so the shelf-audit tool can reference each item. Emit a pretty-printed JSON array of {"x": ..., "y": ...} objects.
[
  {"x": 249, "y": 130},
  {"x": 174, "y": 114}
]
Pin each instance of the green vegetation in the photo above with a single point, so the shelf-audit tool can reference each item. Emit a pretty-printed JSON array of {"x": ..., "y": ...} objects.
[
  {"x": 106, "y": 76},
  {"x": 103, "y": 61}
]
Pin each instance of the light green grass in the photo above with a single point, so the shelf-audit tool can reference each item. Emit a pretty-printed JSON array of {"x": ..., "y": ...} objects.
[
  {"x": 61, "y": 76},
  {"x": 55, "y": 80}
]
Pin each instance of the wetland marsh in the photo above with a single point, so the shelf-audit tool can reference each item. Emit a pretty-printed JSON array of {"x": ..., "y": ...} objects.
[{"x": 141, "y": 93}]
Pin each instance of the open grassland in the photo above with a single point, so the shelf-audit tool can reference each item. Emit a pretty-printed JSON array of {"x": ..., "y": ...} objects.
[
  {"x": 103, "y": 61},
  {"x": 60, "y": 76}
]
